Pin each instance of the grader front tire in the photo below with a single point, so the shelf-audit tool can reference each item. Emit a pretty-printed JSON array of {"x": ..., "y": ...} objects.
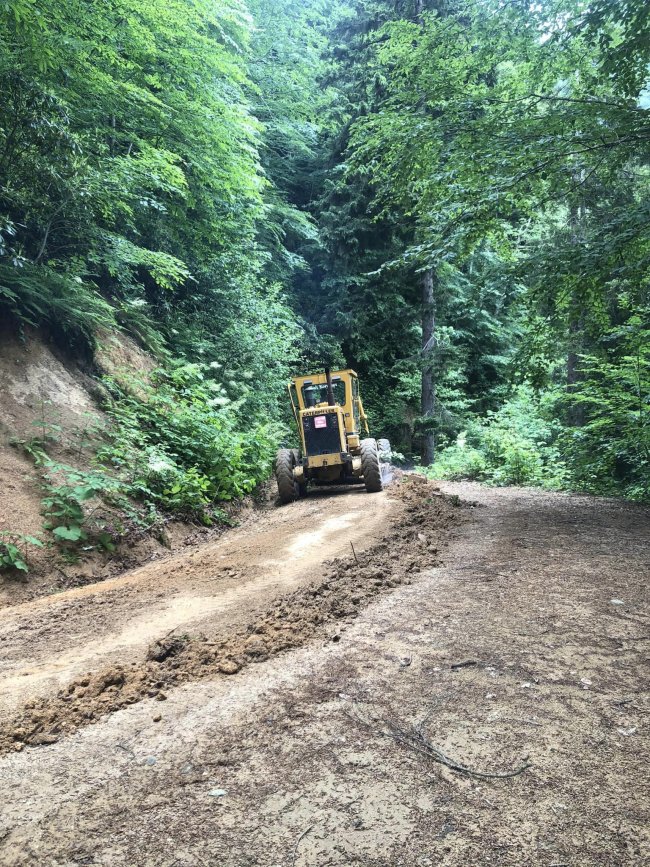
[
  {"x": 302, "y": 486},
  {"x": 370, "y": 466},
  {"x": 284, "y": 464},
  {"x": 385, "y": 451}
]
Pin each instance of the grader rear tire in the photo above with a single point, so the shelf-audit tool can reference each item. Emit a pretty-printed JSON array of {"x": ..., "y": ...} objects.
[
  {"x": 370, "y": 466},
  {"x": 285, "y": 461}
]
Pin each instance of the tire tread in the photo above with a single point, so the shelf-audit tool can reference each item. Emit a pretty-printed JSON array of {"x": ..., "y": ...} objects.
[
  {"x": 370, "y": 466},
  {"x": 284, "y": 464}
]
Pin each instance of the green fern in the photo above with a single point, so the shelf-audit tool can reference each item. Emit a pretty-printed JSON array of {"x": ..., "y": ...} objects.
[{"x": 67, "y": 305}]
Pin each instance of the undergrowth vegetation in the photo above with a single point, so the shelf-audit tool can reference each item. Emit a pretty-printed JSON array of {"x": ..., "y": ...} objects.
[
  {"x": 514, "y": 445},
  {"x": 525, "y": 441},
  {"x": 184, "y": 440},
  {"x": 609, "y": 451},
  {"x": 177, "y": 442},
  {"x": 14, "y": 549}
]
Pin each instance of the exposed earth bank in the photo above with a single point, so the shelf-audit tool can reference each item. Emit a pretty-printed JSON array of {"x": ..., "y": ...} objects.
[{"x": 468, "y": 686}]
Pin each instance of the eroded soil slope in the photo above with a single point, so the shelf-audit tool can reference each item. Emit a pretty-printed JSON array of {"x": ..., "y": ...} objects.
[{"x": 45, "y": 395}]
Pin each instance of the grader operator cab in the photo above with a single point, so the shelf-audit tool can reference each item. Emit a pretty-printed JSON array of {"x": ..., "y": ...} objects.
[{"x": 329, "y": 415}]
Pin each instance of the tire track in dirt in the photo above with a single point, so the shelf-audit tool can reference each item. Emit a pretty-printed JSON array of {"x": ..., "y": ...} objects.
[{"x": 345, "y": 588}]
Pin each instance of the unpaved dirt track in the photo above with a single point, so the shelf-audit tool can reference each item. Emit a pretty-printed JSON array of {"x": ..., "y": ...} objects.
[
  {"x": 46, "y": 642},
  {"x": 541, "y": 596}
]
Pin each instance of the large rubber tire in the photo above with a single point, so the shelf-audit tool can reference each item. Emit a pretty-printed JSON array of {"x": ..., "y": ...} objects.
[
  {"x": 285, "y": 461},
  {"x": 370, "y": 466},
  {"x": 302, "y": 487},
  {"x": 385, "y": 451}
]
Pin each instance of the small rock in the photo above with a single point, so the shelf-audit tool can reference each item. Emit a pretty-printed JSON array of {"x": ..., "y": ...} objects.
[
  {"x": 150, "y": 760},
  {"x": 627, "y": 732},
  {"x": 217, "y": 793},
  {"x": 157, "y": 717},
  {"x": 617, "y": 602},
  {"x": 161, "y": 697},
  {"x": 43, "y": 739},
  {"x": 229, "y": 666},
  {"x": 163, "y": 649},
  {"x": 256, "y": 647}
]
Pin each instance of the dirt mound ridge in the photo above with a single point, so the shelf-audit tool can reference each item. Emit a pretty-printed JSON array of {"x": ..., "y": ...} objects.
[{"x": 347, "y": 585}]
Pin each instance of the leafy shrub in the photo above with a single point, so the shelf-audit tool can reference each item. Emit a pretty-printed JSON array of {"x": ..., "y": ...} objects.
[
  {"x": 67, "y": 494},
  {"x": 458, "y": 462},
  {"x": 610, "y": 451},
  {"x": 514, "y": 445},
  {"x": 13, "y": 549},
  {"x": 183, "y": 441}
]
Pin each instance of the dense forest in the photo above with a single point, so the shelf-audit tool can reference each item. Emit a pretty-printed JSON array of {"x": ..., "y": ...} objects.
[{"x": 450, "y": 196}]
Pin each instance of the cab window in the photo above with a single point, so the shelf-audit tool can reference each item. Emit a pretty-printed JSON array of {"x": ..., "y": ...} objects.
[
  {"x": 317, "y": 393},
  {"x": 355, "y": 401}
]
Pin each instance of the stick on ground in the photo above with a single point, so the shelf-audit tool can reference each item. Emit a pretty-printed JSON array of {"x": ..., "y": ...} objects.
[
  {"x": 416, "y": 741},
  {"x": 295, "y": 848}
]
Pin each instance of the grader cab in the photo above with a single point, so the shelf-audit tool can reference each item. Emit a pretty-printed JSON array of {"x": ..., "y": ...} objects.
[{"x": 329, "y": 415}]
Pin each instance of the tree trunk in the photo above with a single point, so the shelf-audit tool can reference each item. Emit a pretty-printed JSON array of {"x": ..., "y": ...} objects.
[
  {"x": 575, "y": 413},
  {"x": 428, "y": 400},
  {"x": 428, "y": 405}
]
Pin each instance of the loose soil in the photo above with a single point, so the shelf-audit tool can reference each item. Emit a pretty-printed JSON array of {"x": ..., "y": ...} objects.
[
  {"x": 317, "y": 714},
  {"x": 217, "y": 586}
]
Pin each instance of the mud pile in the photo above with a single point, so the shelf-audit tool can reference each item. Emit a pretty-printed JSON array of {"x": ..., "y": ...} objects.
[{"x": 346, "y": 586}]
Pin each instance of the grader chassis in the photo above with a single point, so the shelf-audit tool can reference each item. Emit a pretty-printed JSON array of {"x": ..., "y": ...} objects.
[{"x": 329, "y": 414}]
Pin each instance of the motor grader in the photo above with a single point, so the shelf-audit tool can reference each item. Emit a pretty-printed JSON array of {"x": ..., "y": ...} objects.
[{"x": 329, "y": 415}]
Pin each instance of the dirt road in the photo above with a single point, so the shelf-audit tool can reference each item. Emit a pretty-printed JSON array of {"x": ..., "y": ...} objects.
[
  {"x": 506, "y": 638},
  {"x": 48, "y": 641}
]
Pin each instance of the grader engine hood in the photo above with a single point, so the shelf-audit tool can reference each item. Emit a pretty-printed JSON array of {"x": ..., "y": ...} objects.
[{"x": 323, "y": 435}]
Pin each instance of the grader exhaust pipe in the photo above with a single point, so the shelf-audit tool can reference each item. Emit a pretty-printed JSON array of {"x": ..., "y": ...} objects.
[{"x": 330, "y": 390}]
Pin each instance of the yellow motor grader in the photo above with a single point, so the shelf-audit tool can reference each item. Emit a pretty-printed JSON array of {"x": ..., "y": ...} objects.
[{"x": 329, "y": 415}]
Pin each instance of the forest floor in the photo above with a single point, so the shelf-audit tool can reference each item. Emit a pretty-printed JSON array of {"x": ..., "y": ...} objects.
[{"x": 251, "y": 701}]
